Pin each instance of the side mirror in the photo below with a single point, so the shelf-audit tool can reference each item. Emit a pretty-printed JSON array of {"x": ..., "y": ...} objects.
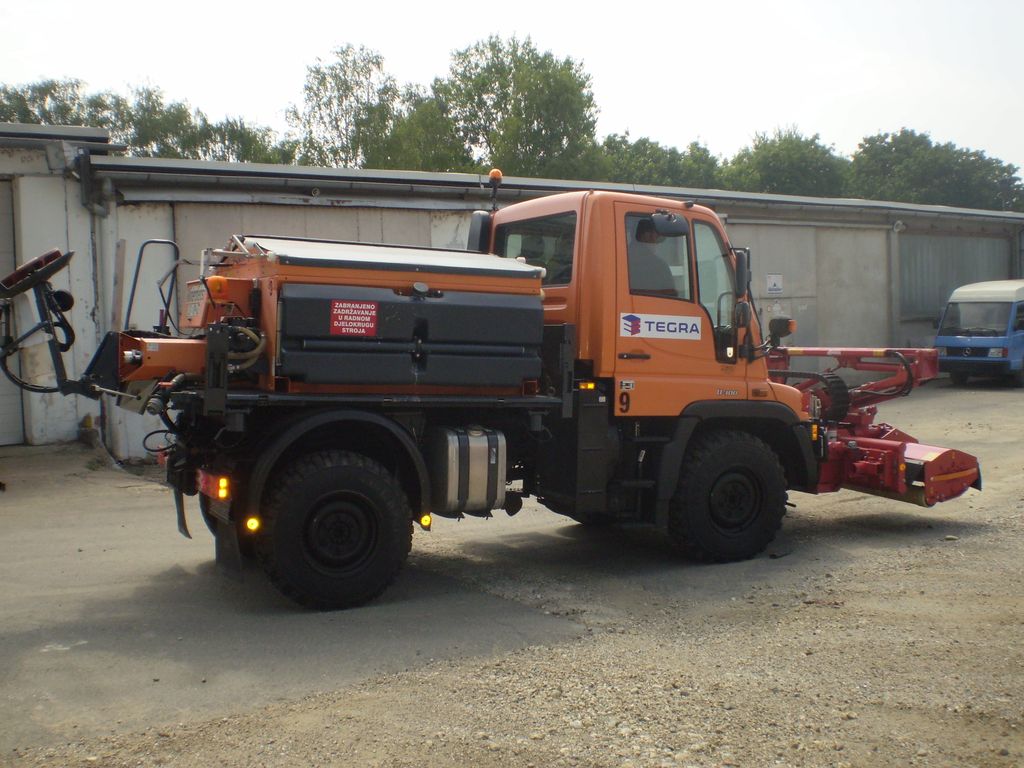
[
  {"x": 669, "y": 224},
  {"x": 480, "y": 232},
  {"x": 779, "y": 328},
  {"x": 742, "y": 271}
]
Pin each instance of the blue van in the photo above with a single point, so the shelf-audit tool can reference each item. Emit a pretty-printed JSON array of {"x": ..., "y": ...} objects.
[{"x": 982, "y": 332}]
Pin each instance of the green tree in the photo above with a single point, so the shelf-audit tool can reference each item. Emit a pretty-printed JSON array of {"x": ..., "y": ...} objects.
[
  {"x": 788, "y": 163},
  {"x": 647, "y": 162},
  {"x": 349, "y": 108},
  {"x": 527, "y": 112},
  {"x": 423, "y": 137},
  {"x": 147, "y": 125},
  {"x": 908, "y": 167}
]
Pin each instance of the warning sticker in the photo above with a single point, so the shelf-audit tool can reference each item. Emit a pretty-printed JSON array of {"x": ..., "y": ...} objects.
[{"x": 353, "y": 318}]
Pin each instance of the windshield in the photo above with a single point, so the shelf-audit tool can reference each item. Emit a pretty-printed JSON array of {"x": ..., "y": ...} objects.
[{"x": 976, "y": 318}]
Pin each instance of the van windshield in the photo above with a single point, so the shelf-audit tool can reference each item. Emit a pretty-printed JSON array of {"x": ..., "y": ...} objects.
[{"x": 976, "y": 318}]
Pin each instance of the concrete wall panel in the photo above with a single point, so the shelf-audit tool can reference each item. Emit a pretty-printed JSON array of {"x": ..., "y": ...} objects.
[
  {"x": 136, "y": 224},
  {"x": 449, "y": 230},
  {"x": 325, "y": 223},
  {"x": 289, "y": 220},
  {"x": 788, "y": 252},
  {"x": 201, "y": 225},
  {"x": 12, "y": 427},
  {"x": 784, "y": 250},
  {"x": 406, "y": 227},
  {"x": 371, "y": 225},
  {"x": 854, "y": 296}
]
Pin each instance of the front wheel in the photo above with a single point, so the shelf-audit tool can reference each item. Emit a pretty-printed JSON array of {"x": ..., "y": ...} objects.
[
  {"x": 730, "y": 499},
  {"x": 337, "y": 530}
]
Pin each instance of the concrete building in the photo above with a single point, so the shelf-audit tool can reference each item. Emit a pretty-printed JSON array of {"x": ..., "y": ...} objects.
[{"x": 852, "y": 272}]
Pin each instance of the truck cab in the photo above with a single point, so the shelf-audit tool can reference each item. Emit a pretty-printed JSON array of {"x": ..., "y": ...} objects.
[
  {"x": 669, "y": 272},
  {"x": 981, "y": 332}
]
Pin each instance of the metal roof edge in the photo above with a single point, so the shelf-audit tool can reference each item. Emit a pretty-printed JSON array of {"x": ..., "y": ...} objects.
[
  {"x": 54, "y": 132},
  {"x": 196, "y": 170}
]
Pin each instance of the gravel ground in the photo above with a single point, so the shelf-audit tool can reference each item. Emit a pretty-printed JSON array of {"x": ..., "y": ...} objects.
[{"x": 870, "y": 633}]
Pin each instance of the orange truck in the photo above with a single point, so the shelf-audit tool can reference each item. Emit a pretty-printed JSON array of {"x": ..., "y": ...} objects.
[{"x": 597, "y": 351}]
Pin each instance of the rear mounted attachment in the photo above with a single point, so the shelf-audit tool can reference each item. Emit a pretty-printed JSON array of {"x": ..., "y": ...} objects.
[{"x": 51, "y": 304}]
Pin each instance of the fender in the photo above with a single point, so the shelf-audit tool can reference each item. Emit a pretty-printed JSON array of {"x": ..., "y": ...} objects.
[
  {"x": 733, "y": 410},
  {"x": 270, "y": 456}
]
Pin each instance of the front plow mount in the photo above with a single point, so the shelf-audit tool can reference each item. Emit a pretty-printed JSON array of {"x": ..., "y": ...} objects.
[{"x": 875, "y": 458}]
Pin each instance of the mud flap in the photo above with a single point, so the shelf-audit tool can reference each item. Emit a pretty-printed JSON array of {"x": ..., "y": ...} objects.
[
  {"x": 179, "y": 506},
  {"x": 229, "y": 554}
]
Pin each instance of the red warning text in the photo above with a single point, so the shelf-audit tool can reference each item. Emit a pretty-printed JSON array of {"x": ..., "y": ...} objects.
[{"x": 353, "y": 318}]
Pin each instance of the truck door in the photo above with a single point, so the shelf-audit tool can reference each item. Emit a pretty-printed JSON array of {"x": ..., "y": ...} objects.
[{"x": 675, "y": 343}]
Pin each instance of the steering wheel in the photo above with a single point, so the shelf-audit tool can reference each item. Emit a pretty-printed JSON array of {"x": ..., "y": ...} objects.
[{"x": 37, "y": 271}]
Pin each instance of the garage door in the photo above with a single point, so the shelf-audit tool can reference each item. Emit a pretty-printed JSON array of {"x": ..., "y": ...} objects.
[
  {"x": 931, "y": 266},
  {"x": 12, "y": 429}
]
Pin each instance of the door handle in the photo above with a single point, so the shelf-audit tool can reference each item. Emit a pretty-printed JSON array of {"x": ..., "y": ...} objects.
[{"x": 634, "y": 356}]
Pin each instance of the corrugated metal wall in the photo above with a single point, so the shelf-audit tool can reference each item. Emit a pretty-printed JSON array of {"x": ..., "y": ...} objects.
[
  {"x": 931, "y": 266},
  {"x": 12, "y": 424}
]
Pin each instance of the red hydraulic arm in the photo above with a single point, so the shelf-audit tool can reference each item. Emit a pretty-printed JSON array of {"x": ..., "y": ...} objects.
[{"x": 869, "y": 457}]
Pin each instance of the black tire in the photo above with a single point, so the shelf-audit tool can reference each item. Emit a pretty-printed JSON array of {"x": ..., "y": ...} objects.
[
  {"x": 1017, "y": 378},
  {"x": 337, "y": 529},
  {"x": 958, "y": 378},
  {"x": 730, "y": 499}
]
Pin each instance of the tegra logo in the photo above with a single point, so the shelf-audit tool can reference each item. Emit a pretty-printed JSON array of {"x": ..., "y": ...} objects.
[{"x": 660, "y": 326}]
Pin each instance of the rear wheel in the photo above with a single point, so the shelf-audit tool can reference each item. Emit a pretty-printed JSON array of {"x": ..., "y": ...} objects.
[
  {"x": 730, "y": 499},
  {"x": 958, "y": 378},
  {"x": 337, "y": 530},
  {"x": 1017, "y": 378}
]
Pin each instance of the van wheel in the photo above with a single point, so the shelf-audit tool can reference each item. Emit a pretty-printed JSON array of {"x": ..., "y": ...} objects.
[
  {"x": 730, "y": 499},
  {"x": 337, "y": 529},
  {"x": 1017, "y": 378},
  {"x": 959, "y": 379}
]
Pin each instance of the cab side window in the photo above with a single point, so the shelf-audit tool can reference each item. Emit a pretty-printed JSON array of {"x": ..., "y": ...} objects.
[
  {"x": 546, "y": 242},
  {"x": 658, "y": 265},
  {"x": 1018, "y": 322},
  {"x": 714, "y": 275}
]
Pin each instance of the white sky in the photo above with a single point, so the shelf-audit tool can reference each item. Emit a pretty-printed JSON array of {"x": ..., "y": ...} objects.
[{"x": 716, "y": 72}]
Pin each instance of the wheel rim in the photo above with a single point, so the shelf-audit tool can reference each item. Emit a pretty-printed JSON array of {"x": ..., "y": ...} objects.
[
  {"x": 735, "y": 502},
  {"x": 341, "y": 533}
]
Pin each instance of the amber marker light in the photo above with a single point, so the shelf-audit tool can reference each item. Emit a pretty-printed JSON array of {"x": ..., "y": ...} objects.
[
  {"x": 223, "y": 489},
  {"x": 587, "y": 385},
  {"x": 425, "y": 522},
  {"x": 253, "y": 524}
]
